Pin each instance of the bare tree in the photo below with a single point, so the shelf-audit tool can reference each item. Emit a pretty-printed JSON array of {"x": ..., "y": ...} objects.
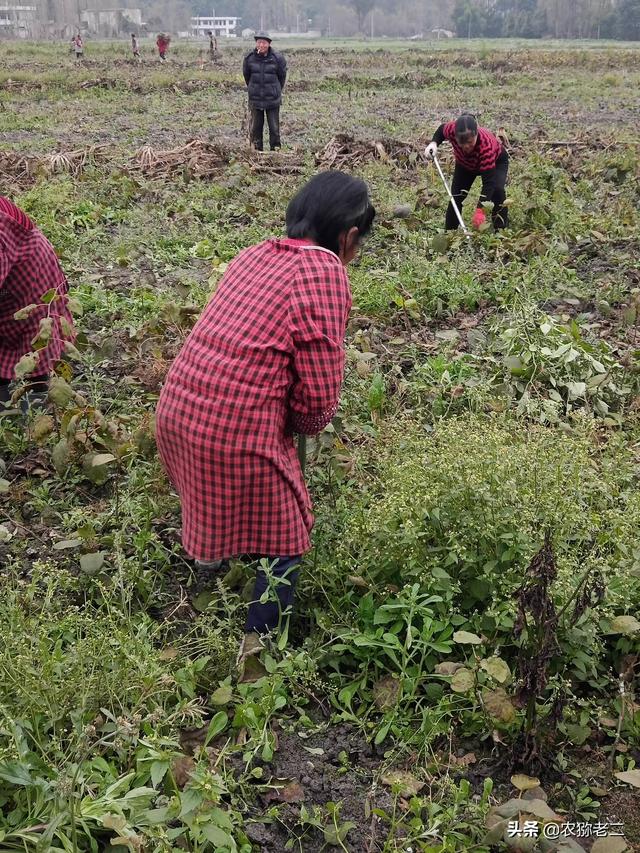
[
  {"x": 581, "y": 18},
  {"x": 362, "y": 9}
]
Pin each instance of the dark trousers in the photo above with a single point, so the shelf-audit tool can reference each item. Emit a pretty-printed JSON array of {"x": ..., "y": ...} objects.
[
  {"x": 257, "y": 127},
  {"x": 39, "y": 384},
  {"x": 461, "y": 184},
  {"x": 273, "y": 592}
]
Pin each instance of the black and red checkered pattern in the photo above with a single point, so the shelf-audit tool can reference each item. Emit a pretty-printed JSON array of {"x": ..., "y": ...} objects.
[
  {"x": 28, "y": 269},
  {"x": 264, "y": 360}
]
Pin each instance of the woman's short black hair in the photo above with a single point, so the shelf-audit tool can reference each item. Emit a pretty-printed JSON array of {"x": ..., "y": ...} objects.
[
  {"x": 466, "y": 125},
  {"x": 329, "y": 204}
]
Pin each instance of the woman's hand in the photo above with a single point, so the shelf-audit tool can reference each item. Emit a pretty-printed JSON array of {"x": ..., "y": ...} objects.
[{"x": 430, "y": 150}]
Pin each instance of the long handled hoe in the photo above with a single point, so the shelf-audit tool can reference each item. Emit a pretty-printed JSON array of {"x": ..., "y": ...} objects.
[{"x": 452, "y": 199}]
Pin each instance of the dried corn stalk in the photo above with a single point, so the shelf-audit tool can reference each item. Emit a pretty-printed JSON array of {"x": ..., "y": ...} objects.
[{"x": 344, "y": 152}]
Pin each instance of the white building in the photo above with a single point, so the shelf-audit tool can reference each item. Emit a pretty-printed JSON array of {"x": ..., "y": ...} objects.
[
  {"x": 440, "y": 32},
  {"x": 224, "y": 27}
]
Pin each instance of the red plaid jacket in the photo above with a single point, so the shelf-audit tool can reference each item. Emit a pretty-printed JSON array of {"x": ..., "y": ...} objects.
[
  {"x": 264, "y": 360},
  {"x": 28, "y": 269}
]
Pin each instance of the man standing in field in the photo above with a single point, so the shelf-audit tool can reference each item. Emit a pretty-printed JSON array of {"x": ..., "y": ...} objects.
[
  {"x": 213, "y": 46},
  {"x": 135, "y": 47},
  {"x": 265, "y": 72}
]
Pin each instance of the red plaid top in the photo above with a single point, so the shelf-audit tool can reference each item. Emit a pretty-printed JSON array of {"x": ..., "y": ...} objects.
[
  {"x": 484, "y": 155},
  {"x": 264, "y": 360},
  {"x": 28, "y": 269}
]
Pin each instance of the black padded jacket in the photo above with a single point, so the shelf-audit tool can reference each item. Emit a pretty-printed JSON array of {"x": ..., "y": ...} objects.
[{"x": 265, "y": 77}]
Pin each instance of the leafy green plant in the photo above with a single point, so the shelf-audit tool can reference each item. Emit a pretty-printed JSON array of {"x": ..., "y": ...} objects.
[
  {"x": 551, "y": 370},
  {"x": 459, "y": 509},
  {"x": 448, "y": 386},
  {"x": 327, "y": 821},
  {"x": 444, "y": 821}
]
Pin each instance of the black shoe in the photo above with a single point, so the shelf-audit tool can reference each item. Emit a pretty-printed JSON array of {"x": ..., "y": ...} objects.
[{"x": 216, "y": 567}]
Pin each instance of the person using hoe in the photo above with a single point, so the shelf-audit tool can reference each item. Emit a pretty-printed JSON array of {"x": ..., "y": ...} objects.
[
  {"x": 477, "y": 153},
  {"x": 265, "y": 73},
  {"x": 265, "y": 360},
  {"x": 29, "y": 269}
]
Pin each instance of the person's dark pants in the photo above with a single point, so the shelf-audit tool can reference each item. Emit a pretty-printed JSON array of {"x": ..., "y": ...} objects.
[
  {"x": 282, "y": 576},
  {"x": 37, "y": 384},
  {"x": 461, "y": 184},
  {"x": 257, "y": 127}
]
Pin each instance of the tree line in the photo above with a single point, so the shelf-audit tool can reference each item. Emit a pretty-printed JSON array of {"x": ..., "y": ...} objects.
[
  {"x": 586, "y": 19},
  {"x": 562, "y": 19}
]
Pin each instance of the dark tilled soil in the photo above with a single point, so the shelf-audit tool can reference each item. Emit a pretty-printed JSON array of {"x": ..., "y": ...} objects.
[
  {"x": 623, "y": 806},
  {"x": 343, "y": 773}
]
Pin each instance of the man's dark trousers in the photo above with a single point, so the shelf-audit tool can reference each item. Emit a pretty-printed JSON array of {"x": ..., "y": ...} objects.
[{"x": 257, "y": 127}]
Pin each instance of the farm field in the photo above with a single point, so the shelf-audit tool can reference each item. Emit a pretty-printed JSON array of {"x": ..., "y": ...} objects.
[{"x": 465, "y": 649}]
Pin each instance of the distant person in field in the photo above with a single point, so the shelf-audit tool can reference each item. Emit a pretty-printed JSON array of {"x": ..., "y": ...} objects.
[
  {"x": 265, "y": 73},
  {"x": 29, "y": 268},
  {"x": 213, "y": 46},
  {"x": 135, "y": 46},
  {"x": 247, "y": 379},
  {"x": 78, "y": 46},
  {"x": 478, "y": 153},
  {"x": 162, "y": 43}
]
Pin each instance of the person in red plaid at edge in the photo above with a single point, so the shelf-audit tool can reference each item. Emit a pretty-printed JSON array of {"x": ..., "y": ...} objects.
[
  {"x": 265, "y": 360},
  {"x": 29, "y": 268},
  {"x": 477, "y": 152}
]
